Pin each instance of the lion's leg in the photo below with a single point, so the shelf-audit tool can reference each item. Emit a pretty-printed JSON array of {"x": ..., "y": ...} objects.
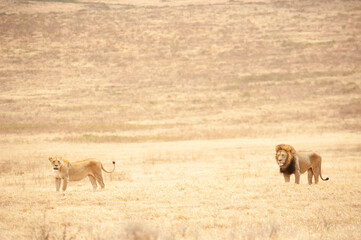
[
  {"x": 93, "y": 182},
  {"x": 316, "y": 174},
  {"x": 297, "y": 170},
  {"x": 297, "y": 177},
  {"x": 65, "y": 183},
  {"x": 310, "y": 175},
  {"x": 286, "y": 177},
  {"x": 57, "y": 184}
]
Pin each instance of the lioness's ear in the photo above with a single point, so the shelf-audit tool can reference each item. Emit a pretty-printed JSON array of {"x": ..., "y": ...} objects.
[
  {"x": 278, "y": 147},
  {"x": 50, "y": 158}
]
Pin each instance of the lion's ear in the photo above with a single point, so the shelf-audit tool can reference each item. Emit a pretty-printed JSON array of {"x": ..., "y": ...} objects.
[
  {"x": 50, "y": 158},
  {"x": 286, "y": 147},
  {"x": 293, "y": 151},
  {"x": 289, "y": 149}
]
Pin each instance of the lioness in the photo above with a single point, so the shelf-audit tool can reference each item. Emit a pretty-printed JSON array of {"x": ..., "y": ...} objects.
[
  {"x": 292, "y": 162},
  {"x": 75, "y": 171}
]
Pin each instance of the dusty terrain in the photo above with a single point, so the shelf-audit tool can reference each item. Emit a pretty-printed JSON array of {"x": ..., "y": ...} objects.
[{"x": 189, "y": 98}]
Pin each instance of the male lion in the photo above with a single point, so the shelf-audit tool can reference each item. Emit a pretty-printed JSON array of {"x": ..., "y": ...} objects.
[
  {"x": 75, "y": 171},
  {"x": 292, "y": 162}
]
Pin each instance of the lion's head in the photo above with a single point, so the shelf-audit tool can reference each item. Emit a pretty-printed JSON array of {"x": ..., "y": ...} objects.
[
  {"x": 284, "y": 155},
  {"x": 282, "y": 158}
]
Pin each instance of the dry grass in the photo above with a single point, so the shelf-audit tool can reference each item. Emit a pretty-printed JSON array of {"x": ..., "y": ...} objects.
[
  {"x": 189, "y": 98},
  {"x": 185, "y": 190}
]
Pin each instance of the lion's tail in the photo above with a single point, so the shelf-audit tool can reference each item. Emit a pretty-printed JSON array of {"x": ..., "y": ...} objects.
[
  {"x": 325, "y": 178},
  {"x": 111, "y": 170}
]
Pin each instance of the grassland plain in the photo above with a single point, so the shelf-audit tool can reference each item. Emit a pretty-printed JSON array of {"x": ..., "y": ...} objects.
[{"x": 189, "y": 98}]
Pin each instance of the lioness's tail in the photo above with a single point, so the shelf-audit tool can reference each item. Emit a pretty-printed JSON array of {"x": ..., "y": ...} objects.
[
  {"x": 113, "y": 168},
  {"x": 321, "y": 175}
]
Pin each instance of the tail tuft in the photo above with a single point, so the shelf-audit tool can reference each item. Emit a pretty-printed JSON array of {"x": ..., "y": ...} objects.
[
  {"x": 325, "y": 179},
  {"x": 114, "y": 162}
]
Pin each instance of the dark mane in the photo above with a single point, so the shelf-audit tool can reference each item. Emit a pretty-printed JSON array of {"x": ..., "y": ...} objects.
[{"x": 290, "y": 168}]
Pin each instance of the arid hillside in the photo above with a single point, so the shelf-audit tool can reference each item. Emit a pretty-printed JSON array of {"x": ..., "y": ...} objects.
[
  {"x": 127, "y": 73},
  {"x": 190, "y": 98}
]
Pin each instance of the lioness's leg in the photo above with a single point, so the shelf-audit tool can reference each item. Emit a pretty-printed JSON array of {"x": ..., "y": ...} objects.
[
  {"x": 310, "y": 174},
  {"x": 57, "y": 183},
  {"x": 99, "y": 178},
  {"x": 286, "y": 177},
  {"x": 65, "y": 183},
  {"x": 93, "y": 182}
]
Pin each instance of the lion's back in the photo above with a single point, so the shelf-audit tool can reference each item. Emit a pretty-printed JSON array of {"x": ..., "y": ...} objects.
[{"x": 308, "y": 159}]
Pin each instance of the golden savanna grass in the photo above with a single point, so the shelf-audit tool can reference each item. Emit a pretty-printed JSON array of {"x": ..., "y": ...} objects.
[{"x": 189, "y": 98}]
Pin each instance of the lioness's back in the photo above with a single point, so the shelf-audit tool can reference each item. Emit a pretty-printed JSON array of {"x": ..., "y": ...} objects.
[{"x": 85, "y": 161}]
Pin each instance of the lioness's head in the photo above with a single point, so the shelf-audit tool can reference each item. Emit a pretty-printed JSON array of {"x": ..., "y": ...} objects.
[{"x": 56, "y": 162}]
